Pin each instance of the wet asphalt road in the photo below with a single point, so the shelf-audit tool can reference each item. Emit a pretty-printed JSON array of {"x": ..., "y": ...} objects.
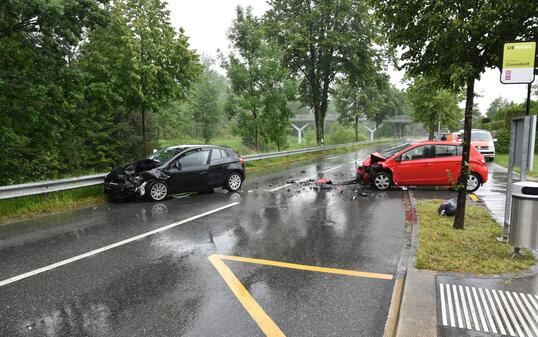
[{"x": 164, "y": 284}]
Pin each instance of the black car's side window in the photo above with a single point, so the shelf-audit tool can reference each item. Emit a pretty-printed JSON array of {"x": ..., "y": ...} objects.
[
  {"x": 216, "y": 155},
  {"x": 194, "y": 158},
  {"x": 224, "y": 154}
]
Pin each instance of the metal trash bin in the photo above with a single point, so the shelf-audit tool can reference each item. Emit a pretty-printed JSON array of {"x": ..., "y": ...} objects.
[{"x": 524, "y": 215}]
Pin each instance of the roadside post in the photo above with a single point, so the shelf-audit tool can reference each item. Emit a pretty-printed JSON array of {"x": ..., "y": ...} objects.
[{"x": 518, "y": 68}]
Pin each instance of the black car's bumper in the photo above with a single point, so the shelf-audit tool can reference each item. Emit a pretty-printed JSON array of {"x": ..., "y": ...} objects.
[{"x": 121, "y": 187}]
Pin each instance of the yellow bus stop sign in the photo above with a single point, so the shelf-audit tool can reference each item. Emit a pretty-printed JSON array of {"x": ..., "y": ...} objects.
[{"x": 518, "y": 63}]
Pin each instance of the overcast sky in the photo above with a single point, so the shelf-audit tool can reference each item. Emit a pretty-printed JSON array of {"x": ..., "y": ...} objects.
[{"x": 206, "y": 22}]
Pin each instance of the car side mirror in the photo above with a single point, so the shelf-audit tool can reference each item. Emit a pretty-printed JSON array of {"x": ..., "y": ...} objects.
[
  {"x": 176, "y": 164},
  {"x": 398, "y": 159}
]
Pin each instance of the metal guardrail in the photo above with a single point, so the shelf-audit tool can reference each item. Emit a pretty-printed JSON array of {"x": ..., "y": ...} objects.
[{"x": 42, "y": 187}]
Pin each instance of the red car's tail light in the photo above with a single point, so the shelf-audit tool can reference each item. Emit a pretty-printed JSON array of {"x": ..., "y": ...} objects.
[{"x": 242, "y": 161}]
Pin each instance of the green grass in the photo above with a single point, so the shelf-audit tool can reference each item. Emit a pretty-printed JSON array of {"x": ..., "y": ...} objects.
[
  {"x": 24, "y": 207},
  {"x": 502, "y": 159},
  {"x": 471, "y": 250}
]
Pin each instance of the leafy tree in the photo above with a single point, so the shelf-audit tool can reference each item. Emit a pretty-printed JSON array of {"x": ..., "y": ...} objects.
[
  {"x": 431, "y": 106},
  {"x": 163, "y": 66},
  {"x": 494, "y": 107},
  {"x": 206, "y": 107},
  {"x": 320, "y": 40},
  {"x": 38, "y": 87},
  {"x": 454, "y": 42},
  {"x": 260, "y": 86}
]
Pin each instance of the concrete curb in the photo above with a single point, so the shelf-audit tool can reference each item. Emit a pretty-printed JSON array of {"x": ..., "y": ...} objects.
[
  {"x": 397, "y": 294},
  {"x": 418, "y": 306}
]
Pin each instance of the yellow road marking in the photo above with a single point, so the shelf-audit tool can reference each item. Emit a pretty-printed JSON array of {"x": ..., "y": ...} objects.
[
  {"x": 265, "y": 322},
  {"x": 305, "y": 267},
  {"x": 474, "y": 197}
]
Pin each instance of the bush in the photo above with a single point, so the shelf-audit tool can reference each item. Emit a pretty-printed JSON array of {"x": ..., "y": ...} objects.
[
  {"x": 503, "y": 141},
  {"x": 340, "y": 134}
]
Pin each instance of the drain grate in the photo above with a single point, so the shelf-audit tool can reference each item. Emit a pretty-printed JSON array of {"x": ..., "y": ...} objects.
[{"x": 489, "y": 310}]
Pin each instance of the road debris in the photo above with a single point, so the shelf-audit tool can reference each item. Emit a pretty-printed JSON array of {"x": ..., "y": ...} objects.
[{"x": 448, "y": 208}]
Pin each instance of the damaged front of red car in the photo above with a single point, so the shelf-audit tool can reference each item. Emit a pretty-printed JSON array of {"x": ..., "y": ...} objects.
[{"x": 369, "y": 167}]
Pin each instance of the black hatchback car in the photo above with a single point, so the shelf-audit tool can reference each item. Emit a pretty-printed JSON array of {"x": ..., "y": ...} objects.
[{"x": 175, "y": 169}]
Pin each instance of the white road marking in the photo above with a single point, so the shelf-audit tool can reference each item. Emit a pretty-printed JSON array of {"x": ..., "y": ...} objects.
[
  {"x": 458, "y": 310},
  {"x": 482, "y": 309},
  {"x": 279, "y": 187},
  {"x": 465, "y": 312},
  {"x": 526, "y": 314},
  {"x": 488, "y": 313},
  {"x": 111, "y": 246},
  {"x": 450, "y": 309},
  {"x": 329, "y": 170},
  {"x": 496, "y": 314},
  {"x": 443, "y": 306},
  {"x": 471, "y": 306},
  {"x": 503, "y": 314},
  {"x": 480, "y": 313},
  {"x": 518, "y": 315},
  {"x": 510, "y": 314}
]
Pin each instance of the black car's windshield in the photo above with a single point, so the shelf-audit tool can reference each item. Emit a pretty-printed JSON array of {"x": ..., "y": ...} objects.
[
  {"x": 164, "y": 155},
  {"x": 393, "y": 150},
  {"x": 480, "y": 135}
]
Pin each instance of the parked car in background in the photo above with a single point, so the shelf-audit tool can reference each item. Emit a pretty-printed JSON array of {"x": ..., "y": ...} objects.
[
  {"x": 175, "y": 169},
  {"x": 484, "y": 143},
  {"x": 426, "y": 163}
]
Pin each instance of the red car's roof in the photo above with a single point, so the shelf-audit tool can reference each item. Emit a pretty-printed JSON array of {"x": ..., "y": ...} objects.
[{"x": 434, "y": 142}]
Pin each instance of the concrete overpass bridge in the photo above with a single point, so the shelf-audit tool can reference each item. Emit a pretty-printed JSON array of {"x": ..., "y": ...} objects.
[{"x": 309, "y": 118}]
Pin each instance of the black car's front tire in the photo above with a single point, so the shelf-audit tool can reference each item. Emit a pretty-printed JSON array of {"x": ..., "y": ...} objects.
[
  {"x": 233, "y": 182},
  {"x": 157, "y": 190}
]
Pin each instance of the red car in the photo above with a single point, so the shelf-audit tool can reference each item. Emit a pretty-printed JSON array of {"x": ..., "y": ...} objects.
[{"x": 429, "y": 163}]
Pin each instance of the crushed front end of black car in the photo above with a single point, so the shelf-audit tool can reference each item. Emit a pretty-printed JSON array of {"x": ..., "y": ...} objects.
[{"x": 130, "y": 180}]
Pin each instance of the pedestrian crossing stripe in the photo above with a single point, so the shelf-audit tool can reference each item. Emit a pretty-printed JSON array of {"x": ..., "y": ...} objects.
[
  {"x": 266, "y": 324},
  {"x": 489, "y": 310}
]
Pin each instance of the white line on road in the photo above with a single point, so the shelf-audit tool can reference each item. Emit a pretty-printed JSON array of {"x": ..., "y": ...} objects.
[
  {"x": 114, "y": 245},
  {"x": 471, "y": 306},
  {"x": 279, "y": 187},
  {"x": 329, "y": 170},
  {"x": 479, "y": 307},
  {"x": 443, "y": 306},
  {"x": 465, "y": 311}
]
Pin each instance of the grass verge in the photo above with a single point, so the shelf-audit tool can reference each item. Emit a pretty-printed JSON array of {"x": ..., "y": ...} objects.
[
  {"x": 25, "y": 207},
  {"x": 472, "y": 250},
  {"x": 502, "y": 159}
]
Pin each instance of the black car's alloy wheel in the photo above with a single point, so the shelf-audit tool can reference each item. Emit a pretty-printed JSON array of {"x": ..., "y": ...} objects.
[
  {"x": 157, "y": 190},
  {"x": 234, "y": 182}
]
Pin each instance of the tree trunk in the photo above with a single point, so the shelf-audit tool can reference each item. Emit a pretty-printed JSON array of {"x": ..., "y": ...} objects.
[
  {"x": 459, "y": 220},
  {"x": 144, "y": 134},
  {"x": 432, "y": 130},
  {"x": 356, "y": 128}
]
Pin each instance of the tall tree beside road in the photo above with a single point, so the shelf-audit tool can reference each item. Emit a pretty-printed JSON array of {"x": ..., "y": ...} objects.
[
  {"x": 374, "y": 99},
  {"x": 494, "y": 107},
  {"x": 453, "y": 42},
  {"x": 320, "y": 40},
  {"x": 164, "y": 67},
  {"x": 38, "y": 86},
  {"x": 260, "y": 85},
  {"x": 431, "y": 106},
  {"x": 206, "y": 105}
]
